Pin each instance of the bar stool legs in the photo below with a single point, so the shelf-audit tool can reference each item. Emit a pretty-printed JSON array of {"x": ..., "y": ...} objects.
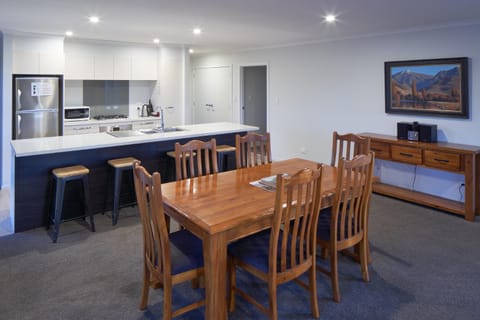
[
  {"x": 223, "y": 151},
  {"x": 119, "y": 166},
  {"x": 61, "y": 177}
]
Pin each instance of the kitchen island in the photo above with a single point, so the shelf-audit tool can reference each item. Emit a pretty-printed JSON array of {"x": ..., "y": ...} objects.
[{"x": 34, "y": 159}]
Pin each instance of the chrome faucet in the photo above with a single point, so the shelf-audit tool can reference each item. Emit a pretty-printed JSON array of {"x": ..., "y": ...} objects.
[{"x": 162, "y": 123}]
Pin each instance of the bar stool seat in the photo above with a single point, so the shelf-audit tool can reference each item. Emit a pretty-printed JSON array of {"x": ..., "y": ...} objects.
[
  {"x": 61, "y": 177},
  {"x": 119, "y": 165},
  {"x": 223, "y": 151},
  {"x": 170, "y": 176}
]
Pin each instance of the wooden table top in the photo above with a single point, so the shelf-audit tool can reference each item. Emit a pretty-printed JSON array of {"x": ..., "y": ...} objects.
[{"x": 225, "y": 201}]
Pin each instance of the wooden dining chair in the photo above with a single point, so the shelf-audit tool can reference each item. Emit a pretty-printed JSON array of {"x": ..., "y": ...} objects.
[
  {"x": 345, "y": 224},
  {"x": 287, "y": 250},
  {"x": 195, "y": 158},
  {"x": 169, "y": 259},
  {"x": 252, "y": 149},
  {"x": 348, "y": 146}
]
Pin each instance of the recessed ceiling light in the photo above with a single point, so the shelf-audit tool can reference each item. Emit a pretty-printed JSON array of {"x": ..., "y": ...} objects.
[
  {"x": 156, "y": 40},
  {"x": 69, "y": 33},
  {"x": 94, "y": 19},
  {"x": 330, "y": 18},
  {"x": 191, "y": 50},
  {"x": 197, "y": 31}
]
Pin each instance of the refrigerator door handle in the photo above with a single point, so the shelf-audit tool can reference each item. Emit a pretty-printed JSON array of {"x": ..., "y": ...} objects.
[{"x": 19, "y": 119}]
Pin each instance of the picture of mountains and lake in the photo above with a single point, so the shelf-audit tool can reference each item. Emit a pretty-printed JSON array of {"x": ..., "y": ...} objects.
[{"x": 426, "y": 88}]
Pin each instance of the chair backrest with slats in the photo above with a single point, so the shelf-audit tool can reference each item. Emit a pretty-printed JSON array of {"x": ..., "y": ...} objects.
[
  {"x": 195, "y": 158},
  {"x": 348, "y": 146},
  {"x": 156, "y": 245},
  {"x": 351, "y": 201},
  {"x": 293, "y": 236},
  {"x": 252, "y": 149}
]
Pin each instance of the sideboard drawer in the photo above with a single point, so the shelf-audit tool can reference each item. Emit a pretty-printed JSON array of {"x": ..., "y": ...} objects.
[
  {"x": 407, "y": 154},
  {"x": 443, "y": 160},
  {"x": 382, "y": 150}
]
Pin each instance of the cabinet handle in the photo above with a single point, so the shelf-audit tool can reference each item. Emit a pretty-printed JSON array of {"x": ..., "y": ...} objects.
[
  {"x": 376, "y": 150},
  {"x": 441, "y": 160},
  {"x": 406, "y": 154},
  {"x": 82, "y": 128}
]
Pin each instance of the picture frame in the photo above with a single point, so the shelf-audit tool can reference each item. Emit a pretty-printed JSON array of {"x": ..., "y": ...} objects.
[{"x": 435, "y": 87}]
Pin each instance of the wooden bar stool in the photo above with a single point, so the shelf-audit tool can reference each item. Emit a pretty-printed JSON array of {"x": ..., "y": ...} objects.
[
  {"x": 61, "y": 177},
  {"x": 223, "y": 151},
  {"x": 171, "y": 175},
  {"x": 119, "y": 166}
]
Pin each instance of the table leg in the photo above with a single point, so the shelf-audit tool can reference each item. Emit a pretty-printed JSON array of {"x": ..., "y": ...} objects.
[{"x": 215, "y": 259}]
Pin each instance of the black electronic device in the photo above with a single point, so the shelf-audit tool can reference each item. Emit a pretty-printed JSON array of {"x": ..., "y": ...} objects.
[
  {"x": 402, "y": 130},
  {"x": 427, "y": 132}
]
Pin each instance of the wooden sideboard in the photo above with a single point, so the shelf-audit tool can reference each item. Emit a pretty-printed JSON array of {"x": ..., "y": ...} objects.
[{"x": 458, "y": 158}]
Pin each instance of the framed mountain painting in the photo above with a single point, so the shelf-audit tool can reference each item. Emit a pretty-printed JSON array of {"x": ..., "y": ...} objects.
[{"x": 437, "y": 87}]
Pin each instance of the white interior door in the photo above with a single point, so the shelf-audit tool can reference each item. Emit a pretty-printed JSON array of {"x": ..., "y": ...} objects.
[{"x": 212, "y": 94}]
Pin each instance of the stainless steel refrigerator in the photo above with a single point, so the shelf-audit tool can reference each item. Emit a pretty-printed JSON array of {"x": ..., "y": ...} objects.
[{"x": 37, "y": 106}]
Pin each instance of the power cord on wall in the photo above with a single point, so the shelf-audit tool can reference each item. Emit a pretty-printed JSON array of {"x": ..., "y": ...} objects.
[
  {"x": 461, "y": 190},
  {"x": 414, "y": 177}
]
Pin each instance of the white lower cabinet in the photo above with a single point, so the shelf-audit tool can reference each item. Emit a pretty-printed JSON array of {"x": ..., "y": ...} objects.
[{"x": 80, "y": 129}]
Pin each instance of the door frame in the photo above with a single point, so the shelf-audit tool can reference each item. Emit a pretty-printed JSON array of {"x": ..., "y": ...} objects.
[{"x": 267, "y": 89}]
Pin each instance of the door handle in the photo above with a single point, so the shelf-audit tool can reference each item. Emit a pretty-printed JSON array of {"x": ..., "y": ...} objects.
[{"x": 19, "y": 119}]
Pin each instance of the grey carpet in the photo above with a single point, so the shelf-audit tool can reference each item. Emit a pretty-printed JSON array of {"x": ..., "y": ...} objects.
[{"x": 426, "y": 265}]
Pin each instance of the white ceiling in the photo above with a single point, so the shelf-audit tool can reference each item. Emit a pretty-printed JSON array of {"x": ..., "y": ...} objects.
[{"x": 231, "y": 24}]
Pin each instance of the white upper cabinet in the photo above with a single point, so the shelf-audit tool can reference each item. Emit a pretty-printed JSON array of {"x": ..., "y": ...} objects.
[
  {"x": 91, "y": 61},
  {"x": 25, "y": 62},
  {"x": 51, "y": 63},
  {"x": 122, "y": 69},
  {"x": 144, "y": 66},
  {"x": 37, "y": 55},
  {"x": 103, "y": 67},
  {"x": 79, "y": 66}
]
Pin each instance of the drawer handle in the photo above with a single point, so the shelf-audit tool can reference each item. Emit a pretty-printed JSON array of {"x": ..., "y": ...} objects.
[
  {"x": 441, "y": 160},
  {"x": 406, "y": 154},
  {"x": 376, "y": 150}
]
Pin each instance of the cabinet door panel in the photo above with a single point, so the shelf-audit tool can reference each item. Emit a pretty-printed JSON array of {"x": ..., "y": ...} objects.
[
  {"x": 103, "y": 67},
  {"x": 25, "y": 62},
  {"x": 79, "y": 66},
  {"x": 144, "y": 67},
  {"x": 122, "y": 68}
]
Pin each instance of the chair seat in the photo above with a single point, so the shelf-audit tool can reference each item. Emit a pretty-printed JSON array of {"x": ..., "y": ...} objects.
[
  {"x": 254, "y": 250},
  {"x": 324, "y": 224},
  {"x": 324, "y": 221},
  {"x": 186, "y": 251}
]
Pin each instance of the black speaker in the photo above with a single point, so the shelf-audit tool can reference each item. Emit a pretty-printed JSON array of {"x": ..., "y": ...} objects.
[
  {"x": 402, "y": 130},
  {"x": 427, "y": 132}
]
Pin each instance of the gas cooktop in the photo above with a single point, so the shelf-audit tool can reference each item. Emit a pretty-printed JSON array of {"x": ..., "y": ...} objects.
[{"x": 110, "y": 116}]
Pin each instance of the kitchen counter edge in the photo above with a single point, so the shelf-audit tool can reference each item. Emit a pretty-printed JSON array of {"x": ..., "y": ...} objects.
[{"x": 50, "y": 145}]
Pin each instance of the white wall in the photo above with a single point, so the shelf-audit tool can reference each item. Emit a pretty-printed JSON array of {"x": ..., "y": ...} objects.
[{"x": 318, "y": 88}]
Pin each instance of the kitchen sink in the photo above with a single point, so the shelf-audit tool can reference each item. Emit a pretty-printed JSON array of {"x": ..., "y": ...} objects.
[
  {"x": 124, "y": 133},
  {"x": 169, "y": 129},
  {"x": 160, "y": 130}
]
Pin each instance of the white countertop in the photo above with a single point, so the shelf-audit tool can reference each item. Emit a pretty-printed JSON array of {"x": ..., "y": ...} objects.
[
  {"x": 109, "y": 121},
  {"x": 39, "y": 146}
]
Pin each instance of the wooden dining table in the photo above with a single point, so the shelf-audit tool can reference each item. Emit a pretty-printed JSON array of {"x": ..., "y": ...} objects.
[{"x": 221, "y": 208}]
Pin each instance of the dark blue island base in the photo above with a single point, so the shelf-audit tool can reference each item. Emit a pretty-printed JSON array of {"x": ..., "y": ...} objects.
[{"x": 34, "y": 183}]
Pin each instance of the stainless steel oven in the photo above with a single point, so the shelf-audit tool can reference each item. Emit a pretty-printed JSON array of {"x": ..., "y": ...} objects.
[{"x": 76, "y": 113}]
